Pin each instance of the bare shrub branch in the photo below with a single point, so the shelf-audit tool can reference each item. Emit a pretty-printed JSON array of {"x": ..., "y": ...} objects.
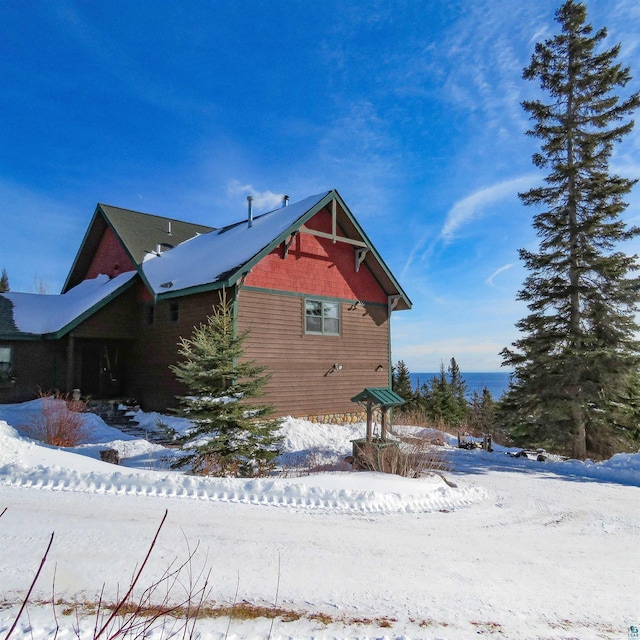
[
  {"x": 33, "y": 584},
  {"x": 410, "y": 457},
  {"x": 275, "y": 601},
  {"x": 296, "y": 466},
  {"x": 135, "y": 580},
  {"x": 233, "y": 605},
  {"x": 61, "y": 423}
]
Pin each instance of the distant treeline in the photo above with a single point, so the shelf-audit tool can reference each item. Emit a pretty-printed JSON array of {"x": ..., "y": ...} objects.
[{"x": 444, "y": 400}]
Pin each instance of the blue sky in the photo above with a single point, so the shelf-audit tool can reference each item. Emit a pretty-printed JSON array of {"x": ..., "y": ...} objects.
[{"x": 410, "y": 109}]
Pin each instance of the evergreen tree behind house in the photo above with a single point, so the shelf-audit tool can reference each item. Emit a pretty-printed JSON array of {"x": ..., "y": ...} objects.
[
  {"x": 444, "y": 397},
  {"x": 4, "y": 281},
  {"x": 231, "y": 436},
  {"x": 401, "y": 382},
  {"x": 575, "y": 386},
  {"x": 481, "y": 416}
]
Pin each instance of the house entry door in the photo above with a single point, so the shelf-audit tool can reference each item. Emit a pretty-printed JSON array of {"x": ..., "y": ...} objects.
[{"x": 100, "y": 369}]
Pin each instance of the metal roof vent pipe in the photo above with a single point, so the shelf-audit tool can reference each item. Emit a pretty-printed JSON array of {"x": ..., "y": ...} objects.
[
  {"x": 250, "y": 213},
  {"x": 285, "y": 201}
]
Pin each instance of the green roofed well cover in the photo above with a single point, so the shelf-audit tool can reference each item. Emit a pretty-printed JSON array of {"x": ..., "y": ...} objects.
[{"x": 383, "y": 396}]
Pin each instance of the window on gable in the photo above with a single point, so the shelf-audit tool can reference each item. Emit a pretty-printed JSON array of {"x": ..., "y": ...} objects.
[
  {"x": 149, "y": 314},
  {"x": 322, "y": 317},
  {"x": 5, "y": 363},
  {"x": 174, "y": 311}
]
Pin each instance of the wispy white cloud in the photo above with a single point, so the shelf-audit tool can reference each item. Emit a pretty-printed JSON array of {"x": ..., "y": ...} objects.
[
  {"x": 485, "y": 53},
  {"x": 475, "y": 205},
  {"x": 423, "y": 249},
  {"x": 262, "y": 200},
  {"x": 357, "y": 149},
  {"x": 505, "y": 267},
  {"x": 456, "y": 345}
]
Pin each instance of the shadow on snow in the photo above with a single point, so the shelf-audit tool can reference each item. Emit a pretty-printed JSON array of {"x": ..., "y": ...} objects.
[{"x": 480, "y": 462}]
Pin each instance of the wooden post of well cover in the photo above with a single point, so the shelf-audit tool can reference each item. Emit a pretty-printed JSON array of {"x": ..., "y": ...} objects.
[
  {"x": 383, "y": 424},
  {"x": 369, "y": 420}
]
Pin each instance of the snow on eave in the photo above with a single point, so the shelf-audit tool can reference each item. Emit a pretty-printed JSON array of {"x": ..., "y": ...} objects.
[
  {"x": 210, "y": 259},
  {"x": 42, "y": 314}
]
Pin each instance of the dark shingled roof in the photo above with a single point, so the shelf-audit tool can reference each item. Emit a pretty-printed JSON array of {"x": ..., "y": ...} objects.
[{"x": 140, "y": 233}]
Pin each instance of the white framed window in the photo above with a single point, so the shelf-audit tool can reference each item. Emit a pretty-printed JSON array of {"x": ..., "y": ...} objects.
[
  {"x": 5, "y": 362},
  {"x": 322, "y": 317}
]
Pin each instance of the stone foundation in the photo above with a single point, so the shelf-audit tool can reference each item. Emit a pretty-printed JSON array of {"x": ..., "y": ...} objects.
[{"x": 338, "y": 418}]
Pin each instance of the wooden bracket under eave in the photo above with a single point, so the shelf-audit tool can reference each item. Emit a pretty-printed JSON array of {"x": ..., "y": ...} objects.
[
  {"x": 392, "y": 302},
  {"x": 361, "y": 254},
  {"x": 243, "y": 277},
  {"x": 287, "y": 243}
]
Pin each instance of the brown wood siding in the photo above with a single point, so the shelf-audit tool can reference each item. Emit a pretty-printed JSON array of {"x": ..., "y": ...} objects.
[
  {"x": 300, "y": 364},
  {"x": 117, "y": 320},
  {"x": 38, "y": 366},
  {"x": 151, "y": 381}
]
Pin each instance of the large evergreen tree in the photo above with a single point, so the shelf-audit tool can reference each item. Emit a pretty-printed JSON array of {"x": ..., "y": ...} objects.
[
  {"x": 231, "y": 436},
  {"x": 575, "y": 383}
]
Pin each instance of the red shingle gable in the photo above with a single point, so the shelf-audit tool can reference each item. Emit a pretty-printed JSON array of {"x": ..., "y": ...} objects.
[
  {"x": 110, "y": 257},
  {"x": 317, "y": 266}
]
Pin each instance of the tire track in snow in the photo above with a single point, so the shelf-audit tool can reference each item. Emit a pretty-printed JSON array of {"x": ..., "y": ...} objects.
[{"x": 263, "y": 491}]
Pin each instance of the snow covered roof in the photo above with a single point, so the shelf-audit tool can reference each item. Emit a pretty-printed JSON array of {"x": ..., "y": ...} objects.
[
  {"x": 219, "y": 257},
  {"x": 32, "y": 314},
  {"x": 204, "y": 258},
  {"x": 223, "y": 256}
]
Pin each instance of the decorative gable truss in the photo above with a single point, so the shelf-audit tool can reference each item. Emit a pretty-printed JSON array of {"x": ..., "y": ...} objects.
[{"x": 225, "y": 257}]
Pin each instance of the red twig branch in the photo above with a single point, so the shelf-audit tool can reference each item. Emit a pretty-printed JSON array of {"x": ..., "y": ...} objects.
[
  {"x": 123, "y": 600},
  {"x": 33, "y": 584}
]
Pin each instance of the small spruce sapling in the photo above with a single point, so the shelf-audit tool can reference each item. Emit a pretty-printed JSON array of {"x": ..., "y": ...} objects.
[{"x": 231, "y": 436}]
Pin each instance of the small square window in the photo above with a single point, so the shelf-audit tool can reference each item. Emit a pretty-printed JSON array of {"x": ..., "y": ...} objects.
[
  {"x": 322, "y": 317},
  {"x": 174, "y": 312}
]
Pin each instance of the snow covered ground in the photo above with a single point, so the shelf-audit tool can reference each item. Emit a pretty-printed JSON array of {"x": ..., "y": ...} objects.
[{"x": 516, "y": 549}]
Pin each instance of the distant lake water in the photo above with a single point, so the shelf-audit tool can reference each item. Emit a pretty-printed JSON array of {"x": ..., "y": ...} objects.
[{"x": 496, "y": 381}]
